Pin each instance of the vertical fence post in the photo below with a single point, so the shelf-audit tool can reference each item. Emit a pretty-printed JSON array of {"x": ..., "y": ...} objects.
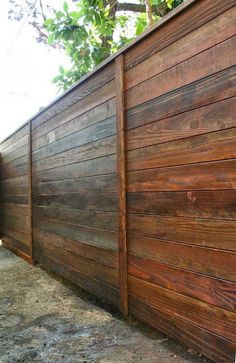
[
  {"x": 30, "y": 201},
  {"x": 122, "y": 237}
]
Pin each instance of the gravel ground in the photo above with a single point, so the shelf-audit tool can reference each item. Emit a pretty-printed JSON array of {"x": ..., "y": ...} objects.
[{"x": 43, "y": 318}]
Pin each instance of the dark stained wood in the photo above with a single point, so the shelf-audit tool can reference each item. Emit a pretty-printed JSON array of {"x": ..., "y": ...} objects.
[
  {"x": 88, "y": 151},
  {"x": 90, "y": 235},
  {"x": 96, "y": 132},
  {"x": 105, "y": 183},
  {"x": 197, "y": 94},
  {"x": 200, "y": 176},
  {"x": 168, "y": 219},
  {"x": 60, "y": 127},
  {"x": 214, "y": 146},
  {"x": 17, "y": 248},
  {"x": 98, "y": 84},
  {"x": 203, "y": 232},
  {"x": 198, "y": 14},
  {"x": 98, "y": 219},
  {"x": 220, "y": 204},
  {"x": 198, "y": 40},
  {"x": 213, "y": 291},
  {"x": 12, "y": 139},
  {"x": 92, "y": 285},
  {"x": 210, "y": 344},
  {"x": 91, "y": 201},
  {"x": 93, "y": 167},
  {"x": 212, "y": 318},
  {"x": 191, "y": 70},
  {"x": 213, "y": 117},
  {"x": 83, "y": 265},
  {"x": 209, "y": 261},
  {"x": 30, "y": 192},
  {"x": 121, "y": 176},
  {"x": 52, "y": 241}
]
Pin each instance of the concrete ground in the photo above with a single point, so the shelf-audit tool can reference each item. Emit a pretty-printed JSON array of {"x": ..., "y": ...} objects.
[{"x": 45, "y": 319}]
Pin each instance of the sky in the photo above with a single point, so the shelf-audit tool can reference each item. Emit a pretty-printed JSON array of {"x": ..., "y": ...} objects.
[{"x": 26, "y": 71}]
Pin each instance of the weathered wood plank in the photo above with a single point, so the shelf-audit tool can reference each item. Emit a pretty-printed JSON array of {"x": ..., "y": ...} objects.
[
  {"x": 220, "y": 204},
  {"x": 210, "y": 290},
  {"x": 212, "y": 318},
  {"x": 211, "y": 262},
  {"x": 93, "y": 201},
  {"x": 100, "y": 166},
  {"x": 105, "y": 183},
  {"x": 202, "y": 65},
  {"x": 200, "y": 39},
  {"x": 210, "y": 344},
  {"x": 211, "y": 89},
  {"x": 214, "y": 146},
  {"x": 92, "y": 236},
  {"x": 91, "y": 218},
  {"x": 203, "y": 232},
  {"x": 202, "y": 176},
  {"x": 94, "y": 286},
  {"x": 86, "y": 267},
  {"x": 93, "y": 253},
  {"x": 96, "y": 132},
  {"x": 88, "y": 151},
  {"x": 198, "y": 14},
  {"x": 86, "y": 93},
  {"x": 213, "y": 117}
]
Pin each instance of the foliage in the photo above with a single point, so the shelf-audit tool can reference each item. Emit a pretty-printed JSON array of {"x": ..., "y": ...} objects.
[{"x": 91, "y": 31}]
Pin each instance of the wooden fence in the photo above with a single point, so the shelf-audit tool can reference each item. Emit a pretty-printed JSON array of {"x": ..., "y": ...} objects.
[{"x": 126, "y": 184}]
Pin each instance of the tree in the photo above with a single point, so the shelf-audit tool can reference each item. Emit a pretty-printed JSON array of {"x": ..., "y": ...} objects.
[{"x": 90, "y": 31}]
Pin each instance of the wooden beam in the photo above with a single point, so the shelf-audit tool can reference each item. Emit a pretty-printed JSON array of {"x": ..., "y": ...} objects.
[
  {"x": 122, "y": 235},
  {"x": 30, "y": 191}
]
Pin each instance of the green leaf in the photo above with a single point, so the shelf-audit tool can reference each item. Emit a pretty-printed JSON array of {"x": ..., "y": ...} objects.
[{"x": 65, "y": 7}]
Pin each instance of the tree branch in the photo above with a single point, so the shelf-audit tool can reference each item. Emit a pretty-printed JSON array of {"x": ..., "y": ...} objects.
[{"x": 160, "y": 10}]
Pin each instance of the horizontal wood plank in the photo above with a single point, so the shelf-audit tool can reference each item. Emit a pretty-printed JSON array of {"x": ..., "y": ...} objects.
[
  {"x": 211, "y": 262},
  {"x": 211, "y": 89},
  {"x": 200, "y": 176},
  {"x": 212, "y": 318},
  {"x": 220, "y": 204},
  {"x": 210, "y": 290},
  {"x": 203, "y": 341}
]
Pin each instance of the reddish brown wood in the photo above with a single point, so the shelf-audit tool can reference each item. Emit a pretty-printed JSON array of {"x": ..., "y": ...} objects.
[{"x": 122, "y": 238}]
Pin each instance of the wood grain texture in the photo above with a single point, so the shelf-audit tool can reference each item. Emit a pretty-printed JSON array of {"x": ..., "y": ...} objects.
[
  {"x": 91, "y": 201},
  {"x": 210, "y": 147},
  {"x": 219, "y": 204},
  {"x": 52, "y": 241},
  {"x": 89, "y": 235},
  {"x": 98, "y": 219},
  {"x": 198, "y": 14},
  {"x": 93, "y": 167},
  {"x": 200, "y": 176},
  {"x": 212, "y": 318},
  {"x": 203, "y": 232},
  {"x": 187, "y": 46},
  {"x": 99, "y": 83},
  {"x": 96, "y": 132},
  {"x": 210, "y": 344},
  {"x": 83, "y": 265},
  {"x": 92, "y": 285},
  {"x": 121, "y": 176},
  {"x": 197, "y": 94},
  {"x": 202, "y": 120},
  {"x": 208, "y": 261},
  {"x": 105, "y": 183},
  {"x": 210, "y": 290},
  {"x": 191, "y": 70}
]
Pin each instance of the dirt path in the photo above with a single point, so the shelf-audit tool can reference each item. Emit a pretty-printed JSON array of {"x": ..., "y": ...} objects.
[{"x": 45, "y": 319}]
